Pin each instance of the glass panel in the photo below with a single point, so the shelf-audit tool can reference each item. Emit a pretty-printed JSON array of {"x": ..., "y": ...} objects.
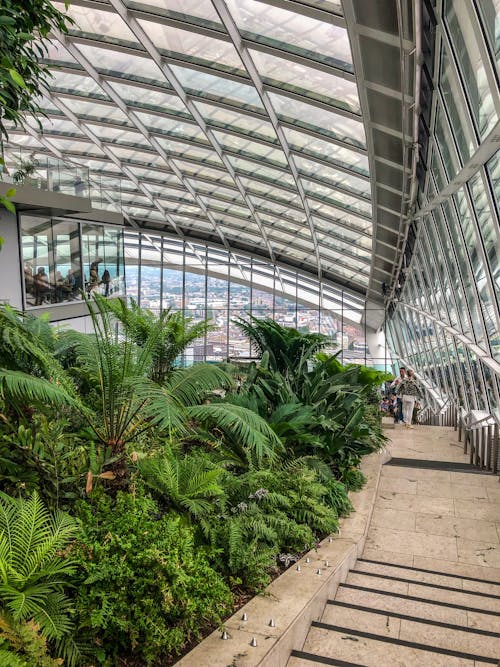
[
  {"x": 293, "y": 32},
  {"x": 66, "y": 257},
  {"x": 337, "y": 179},
  {"x": 36, "y": 236},
  {"x": 197, "y": 48},
  {"x": 471, "y": 65},
  {"x": 201, "y": 84},
  {"x": 320, "y": 121},
  {"x": 182, "y": 9},
  {"x": 490, "y": 12},
  {"x": 102, "y": 254},
  {"x": 452, "y": 101},
  {"x": 307, "y": 81},
  {"x": 308, "y": 145},
  {"x": 230, "y": 118}
]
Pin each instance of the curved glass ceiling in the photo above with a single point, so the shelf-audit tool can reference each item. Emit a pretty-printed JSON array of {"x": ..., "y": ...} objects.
[{"x": 234, "y": 121}]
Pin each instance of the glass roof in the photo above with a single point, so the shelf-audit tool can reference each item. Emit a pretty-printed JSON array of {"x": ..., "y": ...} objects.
[{"x": 237, "y": 120}]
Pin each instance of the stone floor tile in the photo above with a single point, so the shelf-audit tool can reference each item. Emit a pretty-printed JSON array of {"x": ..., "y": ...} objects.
[
  {"x": 473, "y": 529},
  {"x": 413, "y": 503},
  {"x": 494, "y": 495},
  {"x": 479, "y": 553},
  {"x": 483, "y": 621},
  {"x": 462, "y": 491},
  {"x": 479, "y": 479},
  {"x": 408, "y": 542},
  {"x": 411, "y": 574},
  {"x": 416, "y": 473},
  {"x": 392, "y": 518},
  {"x": 471, "y": 509},
  {"x": 388, "y": 556},
  {"x": 398, "y": 485}
]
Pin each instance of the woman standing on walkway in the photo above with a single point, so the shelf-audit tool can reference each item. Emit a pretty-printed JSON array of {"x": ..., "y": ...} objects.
[{"x": 409, "y": 390}]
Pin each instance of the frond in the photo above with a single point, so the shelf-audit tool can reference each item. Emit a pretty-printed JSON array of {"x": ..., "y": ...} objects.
[
  {"x": 241, "y": 425},
  {"x": 24, "y": 388},
  {"x": 189, "y": 386}
]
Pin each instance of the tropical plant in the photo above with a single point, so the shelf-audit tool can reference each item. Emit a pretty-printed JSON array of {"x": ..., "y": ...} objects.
[
  {"x": 42, "y": 454},
  {"x": 33, "y": 572},
  {"x": 146, "y": 590},
  {"x": 289, "y": 350},
  {"x": 186, "y": 482},
  {"x": 172, "y": 333}
]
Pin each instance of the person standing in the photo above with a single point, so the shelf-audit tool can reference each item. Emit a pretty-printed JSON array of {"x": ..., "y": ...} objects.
[
  {"x": 394, "y": 387},
  {"x": 106, "y": 281},
  {"x": 409, "y": 391}
]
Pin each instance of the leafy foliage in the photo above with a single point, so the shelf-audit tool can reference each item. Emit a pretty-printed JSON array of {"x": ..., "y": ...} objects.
[
  {"x": 223, "y": 485},
  {"x": 146, "y": 590},
  {"x": 175, "y": 333},
  {"x": 33, "y": 574}
]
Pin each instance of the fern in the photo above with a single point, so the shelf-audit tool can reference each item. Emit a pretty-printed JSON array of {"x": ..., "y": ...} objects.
[
  {"x": 32, "y": 572},
  {"x": 188, "y": 483}
]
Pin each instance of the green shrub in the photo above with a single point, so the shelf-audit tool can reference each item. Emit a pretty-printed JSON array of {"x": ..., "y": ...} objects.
[
  {"x": 145, "y": 591},
  {"x": 266, "y": 513}
]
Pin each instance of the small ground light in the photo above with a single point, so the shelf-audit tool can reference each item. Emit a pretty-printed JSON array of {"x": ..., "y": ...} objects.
[
  {"x": 298, "y": 568},
  {"x": 224, "y": 635},
  {"x": 330, "y": 539},
  {"x": 318, "y": 571},
  {"x": 272, "y": 623},
  {"x": 244, "y": 617},
  {"x": 308, "y": 560},
  {"x": 327, "y": 563},
  {"x": 253, "y": 642}
]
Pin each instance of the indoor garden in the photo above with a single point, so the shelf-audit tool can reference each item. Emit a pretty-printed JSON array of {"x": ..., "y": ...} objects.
[{"x": 142, "y": 503}]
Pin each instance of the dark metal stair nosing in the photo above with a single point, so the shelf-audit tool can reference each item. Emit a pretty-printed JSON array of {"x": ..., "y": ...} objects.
[
  {"x": 323, "y": 659},
  {"x": 413, "y": 619},
  {"x": 404, "y": 642},
  {"x": 425, "y": 583},
  {"x": 421, "y": 569},
  {"x": 414, "y": 598}
]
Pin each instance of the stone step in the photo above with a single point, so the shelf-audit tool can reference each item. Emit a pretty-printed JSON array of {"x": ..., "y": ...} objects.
[
  {"x": 442, "y": 634},
  {"x": 443, "y": 594},
  {"x": 369, "y": 649},
  {"x": 427, "y": 608},
  {"x": 427, "y": 575}
]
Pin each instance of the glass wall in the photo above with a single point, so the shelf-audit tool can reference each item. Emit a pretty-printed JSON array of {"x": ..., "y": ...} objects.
[
  {"x": 446, "y": 323},
  {"x": 207, "y": 282},
  {"x": 63, "y": 258}
]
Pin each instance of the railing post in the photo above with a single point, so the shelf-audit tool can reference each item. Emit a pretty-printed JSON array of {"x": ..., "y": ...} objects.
[
  {"x": 495, "y": 449},
  {"x": 484, "y": 444},
  {"x": 489, "y": 446}
]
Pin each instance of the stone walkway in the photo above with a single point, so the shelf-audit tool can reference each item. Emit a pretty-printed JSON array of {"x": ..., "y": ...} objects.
[{"x": 426, "y": 591}]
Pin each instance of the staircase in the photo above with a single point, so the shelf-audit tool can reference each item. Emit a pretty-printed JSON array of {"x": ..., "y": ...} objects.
[{"x": 390, "y": 615}]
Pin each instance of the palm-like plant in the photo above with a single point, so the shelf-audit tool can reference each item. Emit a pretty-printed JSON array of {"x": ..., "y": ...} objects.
[
  {"x": 119, "y": 401},
  {"x": 288, "y": 349},
  {"x": 33, "y": 574},
  {"x": 172, "y": 333}
]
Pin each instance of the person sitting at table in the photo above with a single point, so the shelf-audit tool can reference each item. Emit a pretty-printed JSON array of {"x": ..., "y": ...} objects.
[{"x": 42, "y": 286}]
